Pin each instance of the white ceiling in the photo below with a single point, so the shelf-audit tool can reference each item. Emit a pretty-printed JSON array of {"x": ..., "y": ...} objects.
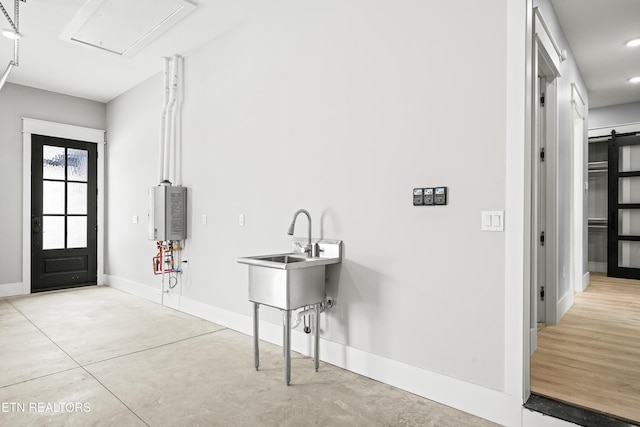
[
  {"x": 48, "y": 62},
  {"x": 595, "y": 29}
]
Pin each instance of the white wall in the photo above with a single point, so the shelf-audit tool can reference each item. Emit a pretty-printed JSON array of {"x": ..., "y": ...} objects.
[
  {"x": 614, "y": 115},
  {"x": 570, "y": 74},
  {"x": 342, "y": 108},
  {"x": 16, "y": 102}
]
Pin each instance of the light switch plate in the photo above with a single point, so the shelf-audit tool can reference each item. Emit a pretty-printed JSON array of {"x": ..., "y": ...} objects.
[{"x": 492, "y": 221}]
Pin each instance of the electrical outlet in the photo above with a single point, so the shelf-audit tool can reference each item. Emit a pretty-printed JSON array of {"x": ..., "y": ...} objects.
[
  {"x": 204, "y": 219},
  {"x": 241, "y": 220},
  {"x": 135, "y": 219}
]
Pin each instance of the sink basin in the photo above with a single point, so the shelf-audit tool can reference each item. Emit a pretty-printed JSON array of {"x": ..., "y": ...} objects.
[
  {"x": 285, "y": 259},
  {"x": 291, "y": 280},
  {"x": 274, "y": 261},
  {"x": 288, "y": 261},
  {"x": 286, "y": 289}
]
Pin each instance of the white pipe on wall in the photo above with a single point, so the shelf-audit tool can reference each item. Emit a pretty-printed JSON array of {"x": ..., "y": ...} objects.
[
  {"x": 168, "y": 143},
  {"x": 178, "y": 125},
  {"x": 172, "y": 141},
  {"x": 163, "y": 120},
  {"x": 170, "y": 152}
]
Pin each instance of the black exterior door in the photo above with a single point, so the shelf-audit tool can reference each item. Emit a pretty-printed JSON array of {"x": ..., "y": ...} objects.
[
  {"x": 63, "y": 213},
  {"x": 623, "y": 247}
]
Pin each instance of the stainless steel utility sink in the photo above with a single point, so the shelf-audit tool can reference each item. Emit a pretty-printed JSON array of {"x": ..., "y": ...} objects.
[
  {"x": 287, "y": 288},
  {"x": 288, "y": 282},
  {"x": 292, "y": 280}
]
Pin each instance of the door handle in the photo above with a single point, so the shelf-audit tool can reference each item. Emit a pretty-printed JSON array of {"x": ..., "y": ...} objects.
[{"x": 36, "y": 224}]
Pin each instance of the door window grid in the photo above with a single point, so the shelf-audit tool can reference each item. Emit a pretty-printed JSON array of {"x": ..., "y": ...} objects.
[
  {"x": 65, "y": 183},
  {"x": 623, "y": 237}
]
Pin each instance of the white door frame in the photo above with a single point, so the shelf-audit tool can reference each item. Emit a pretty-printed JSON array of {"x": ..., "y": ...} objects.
[
  {"x": 545, "y": 212},
  {"x": 546, "y": 59},
  {"x": 579, "y": 192},
  {"x": 58, "y": 130},
  {"x": 551, "y": 197}
]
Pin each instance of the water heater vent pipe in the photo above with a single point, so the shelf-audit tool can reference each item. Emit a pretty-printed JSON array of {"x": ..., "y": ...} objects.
[
  {"x": 168, "y": 134},
  {"x": 163, "y": 120},
  {"x": 171, "y": 122},
  {"x": 177, "y": 140}
]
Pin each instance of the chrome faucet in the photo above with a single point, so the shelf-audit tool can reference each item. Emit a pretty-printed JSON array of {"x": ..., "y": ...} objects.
[{"x": 309, "y": 250}]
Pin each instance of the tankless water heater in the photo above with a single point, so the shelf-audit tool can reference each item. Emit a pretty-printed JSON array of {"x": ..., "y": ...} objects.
[{"x": 167, "y": 213}]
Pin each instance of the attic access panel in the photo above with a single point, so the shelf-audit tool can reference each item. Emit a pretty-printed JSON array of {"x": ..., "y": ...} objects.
[{"x": 124, "y": 27}]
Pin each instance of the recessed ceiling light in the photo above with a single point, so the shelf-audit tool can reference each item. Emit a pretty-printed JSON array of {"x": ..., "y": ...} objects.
[
  {"x": 635, "y": 79},
  {"x": 633, "y": 43},
  {"x": 10, "y": 34}
]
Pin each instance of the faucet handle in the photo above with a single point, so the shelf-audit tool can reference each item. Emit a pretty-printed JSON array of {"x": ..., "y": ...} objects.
[{"x": 299, "y": 247}]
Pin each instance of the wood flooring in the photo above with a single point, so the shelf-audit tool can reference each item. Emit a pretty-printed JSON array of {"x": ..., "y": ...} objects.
[{"x": 591, "y": 358}]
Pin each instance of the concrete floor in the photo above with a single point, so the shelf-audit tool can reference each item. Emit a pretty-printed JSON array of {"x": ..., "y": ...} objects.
[{"x": 98, "y": 356}]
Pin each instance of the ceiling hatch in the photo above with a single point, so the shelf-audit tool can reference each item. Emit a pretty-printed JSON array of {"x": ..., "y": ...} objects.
[{"x": 124, "y": 27}]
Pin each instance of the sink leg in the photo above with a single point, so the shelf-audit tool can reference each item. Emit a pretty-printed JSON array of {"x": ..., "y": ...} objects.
[
  {"x": 316, "y": 344},
  {"x": 287, "y": 346},
  {"x": 256, "y": 351}
]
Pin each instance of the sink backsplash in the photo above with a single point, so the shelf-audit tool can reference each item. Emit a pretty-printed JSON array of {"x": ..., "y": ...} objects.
[{"x": 329, "y": 248}]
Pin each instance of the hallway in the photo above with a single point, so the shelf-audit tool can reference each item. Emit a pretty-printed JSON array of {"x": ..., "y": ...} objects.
[{"x": 591, "y": 358}]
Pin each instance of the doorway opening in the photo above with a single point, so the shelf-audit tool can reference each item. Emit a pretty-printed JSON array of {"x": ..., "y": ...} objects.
[
  {"x": 544, "y": 160},
  {"x": 63, "y": 213},
  {"x": 91, "y": 136}
]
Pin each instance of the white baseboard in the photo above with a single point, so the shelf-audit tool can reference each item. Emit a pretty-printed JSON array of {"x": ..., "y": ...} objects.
[
  {"x": 586, "y": 280},
  {"x": 11, "y": 289},
  {"x": 564, "y": 305},
  {"x": 474, "y": 399},
  {"x": 597, "y": 267},
  {"x": 134, "y": 288}
]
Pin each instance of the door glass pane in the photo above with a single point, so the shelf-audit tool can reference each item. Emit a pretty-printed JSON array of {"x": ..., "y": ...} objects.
[
  {"x": 598, "y": 195},
  {"x": 52, "y": 162},
  {"x": 77, "y": 198},
  {"x": 629, "y": 158},
  {"x": 52, "y": 197},
  {"x": 629, "y": 189},
  {"x": 628, "y": 254},
  {"x": 629, "y": 222},
  {"x": 52, "y": 232},
  {"x": 77, "y": 232},
  {"x": 77, "y": 161}
]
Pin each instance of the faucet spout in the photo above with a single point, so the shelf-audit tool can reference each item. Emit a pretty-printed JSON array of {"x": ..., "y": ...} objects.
[{"x": 309, "y": 248}]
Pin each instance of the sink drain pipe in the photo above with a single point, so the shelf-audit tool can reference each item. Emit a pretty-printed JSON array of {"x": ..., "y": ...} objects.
[{"x": 309, "y": 311}]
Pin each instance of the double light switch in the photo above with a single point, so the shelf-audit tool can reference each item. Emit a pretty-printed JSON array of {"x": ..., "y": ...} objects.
[{"x": 492, "y": 220}]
